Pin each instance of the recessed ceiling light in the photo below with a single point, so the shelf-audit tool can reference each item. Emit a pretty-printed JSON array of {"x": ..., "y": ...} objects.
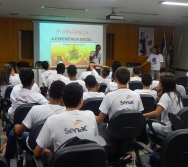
[
  {"x": 86, "y": 10},
  {"x": 174, "y": 3},
  {"x": 42, "y": 7}
]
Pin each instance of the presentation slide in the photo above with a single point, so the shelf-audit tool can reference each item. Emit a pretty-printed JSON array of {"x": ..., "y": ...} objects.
[{"x": 67, "y": 43}]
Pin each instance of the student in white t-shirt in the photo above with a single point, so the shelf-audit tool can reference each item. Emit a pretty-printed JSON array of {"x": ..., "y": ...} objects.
[
  {"x": 122, "y": 98},
  {"x": 68, "y": 124},
  {"x": 103, "y": 77},
  {"x": 146, "y": 81},
  {"x": 22, "y": 93},
  {"x": 37, "y": 113},
  {"x": 156, "y": 60},
  {"x": 72, "y": 71},
  {"x": 59, "y": 76},
  {"x": 46, "y": 73},
  {"x": 136, "y": 74},
  {"x": 7, "y": 78},
  {"x": 170, "y": 102},
  {"x": 92, "y": 87}
]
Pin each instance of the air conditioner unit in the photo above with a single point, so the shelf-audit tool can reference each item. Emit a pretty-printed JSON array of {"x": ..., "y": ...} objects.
[{"x": 114, "y": 17}]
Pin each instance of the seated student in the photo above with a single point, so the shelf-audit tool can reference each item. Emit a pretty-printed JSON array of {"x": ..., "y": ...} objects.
[
  {"x": 92, "y": 87},
  {"x": 122, "y": 98},
  {"x": 59, "y": 76},
  {"x": 46, "y": 73},
  {"x": 72, "y": 122},
  {"x": 22, "y": 93},
  {"x": 146, "y": 81},
  {"x": 72, "y": 71},
  {"x": 7, "y": 78},
  {"x": 37, "y": 113},
  {"x": 136, "y": 74},
  {"x": 115, "y": 66},
  {"x": 170, "y": 102},
  {"x": 103, "y": 77}
]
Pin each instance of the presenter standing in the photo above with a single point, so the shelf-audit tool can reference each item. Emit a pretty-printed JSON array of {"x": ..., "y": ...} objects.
[{"x": 95, "y": 57}]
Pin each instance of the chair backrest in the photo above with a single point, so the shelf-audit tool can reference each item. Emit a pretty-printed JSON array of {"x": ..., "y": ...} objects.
[
  {"x": 183, "y": 114},
  {"x": 3, "y": 162},
  {"x": 38, "y": 64},
  {"x": 135, "y": 85},
  {"x": 84, "y": 155},
  {"x": 21, "y": 112},
  {"x": 126, "y": 124},
  {"x": 102, "y": 88},
  {"x": 185, "y": 101},
  {"x": 182, "y": 80},
  {"x": 92, "y": 104},
  {"x": 174, "y": 151},
  {"x": 176, "y": 122},
  {"x": 8, "y": 91},
  {"x": 148, "y": 103},
  {"x": 23, "y": 64},
  {"x": 34, "y": 132}
]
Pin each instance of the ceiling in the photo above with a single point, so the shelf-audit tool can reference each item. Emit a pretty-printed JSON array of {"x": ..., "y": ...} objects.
[{"x": 142, "y": 12}]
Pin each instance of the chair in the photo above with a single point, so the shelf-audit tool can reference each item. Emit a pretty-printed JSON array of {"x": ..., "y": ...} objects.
[
  {"x": 148, "y": 103},
  {"x": 135, "y": 85},
  {"x": 176, "y": 122},
  {"x": 185, "y": 100},
  {"x": 84, "y": 155},
  {"x": 23, "y": 64},
  {"x": 6, "y": 103},
  {"x": 183, "y": 114},
  {"x": 182, "y": 80},
  {"x": 121, "y": 132},
  {"x": 3, "y": 162},
  {"x": 38, "y": 64},
  {"x": 92, "y": 104},
  {"x": 102, "y": 88},
  {"x": 173, "y": 153}
]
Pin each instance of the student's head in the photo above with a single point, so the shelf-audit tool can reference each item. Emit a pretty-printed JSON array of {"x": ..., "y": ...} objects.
[
  {"x": 163, "y": 69},
  {"x": 115, "y": 66},
  {"x": 72, "y": 95},
  {"x": 122, "y": 75},
  {"x": 98, "y": 47},
  {"x": 60, "y": 68},
  {"x": 45, "y": 65},
  {"x": 146, "y": 79},
  {"x": 91, "y": 82},
  {"x": 105, "y": 72},
  {"x": 71, "y": 70},
  {"x": 14, "y": 66},
  {"x": 156, "y": 50},
  {"x": 5, "y": 74},
  {"x": 136, "y": 70},
  {"x": 56, "y": 90},
  {"x": 168, "y": 82},
  {"x": 27, "y": 77}
]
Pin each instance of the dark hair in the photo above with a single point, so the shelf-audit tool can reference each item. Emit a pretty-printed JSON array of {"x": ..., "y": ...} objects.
[
  {"x": 60, "y": 68},
  {"x": 26, "y": 76},
  {"x": 98, "y": 45},
  {"x": 168, "y": 82},
  {"x": 123, "y": 75},
  {"x": 45, "y": 65},
  {"x": 5, "y": 74},
  {"x": 146, "y": 79},
  {"x": 56, "y": 89},
  {"x": 14, "y": 66},
  {"x": 163, "y": 69},
  {"x": 136, "y": 70},
  {"x": 71, "y": 70},
  {"x": 158, "y": 50},
  {"x": 105, "y": 71},
  {"x": 90, "y": 81},
  {"x": 115, "y": 66},
  {"x": 72, "y": 93}
]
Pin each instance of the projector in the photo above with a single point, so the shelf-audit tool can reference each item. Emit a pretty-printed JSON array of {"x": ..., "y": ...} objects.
[{"x": 114, "y": 17}]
